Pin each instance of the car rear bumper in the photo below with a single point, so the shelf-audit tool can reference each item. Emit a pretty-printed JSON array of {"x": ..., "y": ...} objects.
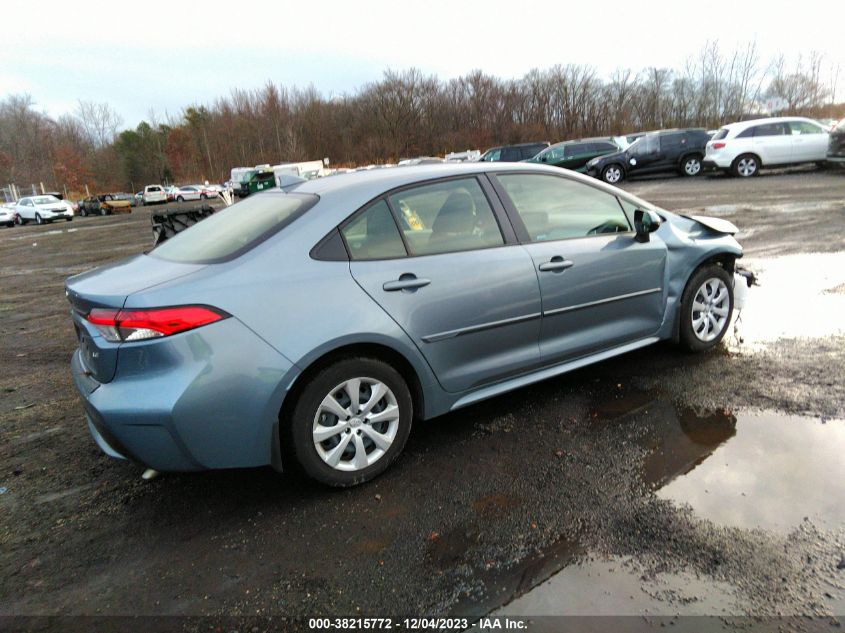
[
  {"x": 716, "y": 162},
  {"x": 208, "y": 398}
]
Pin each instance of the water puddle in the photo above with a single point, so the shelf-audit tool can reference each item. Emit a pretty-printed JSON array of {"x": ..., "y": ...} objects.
[
  {"x": 611, "y": 587},
  {"x": 764, "y": 470},
  {"x": 798, "y": 296},
  {"x": 749, "y": 470}
]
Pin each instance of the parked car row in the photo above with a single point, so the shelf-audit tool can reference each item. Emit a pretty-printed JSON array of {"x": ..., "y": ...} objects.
[{"x": 741, "y": 149}]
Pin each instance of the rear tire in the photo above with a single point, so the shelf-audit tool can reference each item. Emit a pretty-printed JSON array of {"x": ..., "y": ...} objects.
[
  {"x": 180, "y": 199},
  {"x": 38, "y": 219},
  {"x": 369, "y": 438},
  {"x": 691, "y": 167},
  {"x": 103, "y": 211},
  {"x": 746, "y": 166},
  {"x": 706, "y": 308}
]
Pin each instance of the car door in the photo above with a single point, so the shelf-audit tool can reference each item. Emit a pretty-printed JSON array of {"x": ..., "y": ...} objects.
[
  {"x": 809, "y": 141},
  {"x": 576, "y": 155},
  {"x": 773, "y": 143},
  {"x": 555, "y": 156},
  {"x": 25, "y": 209},
  {"x": 644, "y": 155},
  {"x": 457, "y": 283},
  {"x": 600, "y": 287}
]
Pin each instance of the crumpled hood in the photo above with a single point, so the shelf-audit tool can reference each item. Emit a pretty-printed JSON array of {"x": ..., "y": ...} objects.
[{"x": 715, "y": 224}]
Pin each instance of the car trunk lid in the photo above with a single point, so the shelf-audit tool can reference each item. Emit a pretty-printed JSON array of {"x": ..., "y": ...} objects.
[{"x": 109, "y": 287}]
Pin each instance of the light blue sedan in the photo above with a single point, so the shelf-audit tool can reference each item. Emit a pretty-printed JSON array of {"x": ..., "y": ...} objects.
[{"x": 309, "y": 329}]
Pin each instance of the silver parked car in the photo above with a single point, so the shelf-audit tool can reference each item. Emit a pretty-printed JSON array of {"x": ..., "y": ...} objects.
[{"x": 308, "y": 329}]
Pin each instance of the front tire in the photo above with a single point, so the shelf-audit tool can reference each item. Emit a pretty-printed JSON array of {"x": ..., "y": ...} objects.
[
  {"x": 180, "y": 199},
  {"x": 103, "y": 211},
  {"x": 350, "y": 423},
  {"x": 746, "y": 166},
  {"x": 39, "y": 219},
  {"x": 612, "y": 174},
  {"x": 706, "y": 308}
]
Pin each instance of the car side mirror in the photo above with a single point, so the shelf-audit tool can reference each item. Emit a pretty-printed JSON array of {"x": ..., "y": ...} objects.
[{"x": 646, "y": 222}]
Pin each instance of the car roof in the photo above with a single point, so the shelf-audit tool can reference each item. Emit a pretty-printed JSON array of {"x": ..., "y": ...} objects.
[
  {"x": 532, "y": 143},
  {"x": 741, "y": 125},
  {"x": 377, "y": 181},
  {"x": 592, "y": 139}
]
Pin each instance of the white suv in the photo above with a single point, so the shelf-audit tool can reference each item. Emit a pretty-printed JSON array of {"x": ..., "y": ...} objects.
[
  {"x": 41, "y": 209},
  {"x": 743, "y": 148},
  {"x": 153, "y": 194}
]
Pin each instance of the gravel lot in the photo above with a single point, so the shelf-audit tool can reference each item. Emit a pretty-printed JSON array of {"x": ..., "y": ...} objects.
[{"x": 657, "y": 483}]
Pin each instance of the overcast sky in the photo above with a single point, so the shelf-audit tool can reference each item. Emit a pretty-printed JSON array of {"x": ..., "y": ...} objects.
[{"x": 166, "y": 55}]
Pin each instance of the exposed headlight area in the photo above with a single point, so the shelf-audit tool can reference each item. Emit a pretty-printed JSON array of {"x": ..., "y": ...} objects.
[{"x": 117, "y": 326}]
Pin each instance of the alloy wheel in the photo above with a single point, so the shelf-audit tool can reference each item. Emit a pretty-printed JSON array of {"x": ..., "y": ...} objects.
[
  {"x": 613, "y": 174},
  {"x": 710, "y": 309},
  {"x": 746, "y": 167},
  {"x": 692, "y": 167},
  {"x": 355, "y": 424}
]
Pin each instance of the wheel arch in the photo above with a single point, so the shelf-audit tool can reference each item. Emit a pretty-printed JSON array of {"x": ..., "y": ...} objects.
[
  {"x": 693, "y": 152},
  {"x": 754, "y": 154},
  {"x": 724, "y": 258},
  {"x": 380, "y": 351}
]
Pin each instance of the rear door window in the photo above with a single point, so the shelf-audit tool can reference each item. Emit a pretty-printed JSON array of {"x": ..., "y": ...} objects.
[
  {"x": 373, "y": 234},
  {"x": 770, "y": 129},
  {"x": 672, "y": 142},
  {"x": 446, "y": 217}
]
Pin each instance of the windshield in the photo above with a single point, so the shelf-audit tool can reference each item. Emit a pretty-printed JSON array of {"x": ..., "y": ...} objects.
[
  {"x": 235, "y": 230},
  {"x": 45, "y": 200}
]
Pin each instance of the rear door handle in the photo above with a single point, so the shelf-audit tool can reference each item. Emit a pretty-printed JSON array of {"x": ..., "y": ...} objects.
[
  {"x": 556, "y": 264},
  {"x": 407, "y": 281}
]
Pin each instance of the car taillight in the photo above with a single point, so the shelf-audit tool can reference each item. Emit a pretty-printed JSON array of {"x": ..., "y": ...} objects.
[
  {"x": 718, "y": 145},
  {"x": 141, "y": 324}
]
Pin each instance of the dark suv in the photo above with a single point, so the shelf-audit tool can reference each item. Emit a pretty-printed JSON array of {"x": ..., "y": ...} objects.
[
  {"x": 575, "y": 155},
  {"x": 664, "y": 151},
  {"x": 513, "y": 153}
]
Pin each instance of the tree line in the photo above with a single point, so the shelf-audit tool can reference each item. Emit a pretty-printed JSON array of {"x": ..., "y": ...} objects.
[{"x": 404, "y": 114}]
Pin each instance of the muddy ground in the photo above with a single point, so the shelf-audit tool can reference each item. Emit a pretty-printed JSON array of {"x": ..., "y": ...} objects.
[{"x": 657, "y": 483}]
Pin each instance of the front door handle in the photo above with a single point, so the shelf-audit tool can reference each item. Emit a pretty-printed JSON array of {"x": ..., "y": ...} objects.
[
  {"x": 406, "y": 281},
  {"x": 556, "y": 264}
]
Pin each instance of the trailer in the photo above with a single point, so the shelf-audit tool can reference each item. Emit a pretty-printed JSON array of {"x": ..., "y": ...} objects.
[{"x": 169, "y": 223}]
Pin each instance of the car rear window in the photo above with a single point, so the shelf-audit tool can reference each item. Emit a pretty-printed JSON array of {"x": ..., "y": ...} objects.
[
  {"x": 234, "y": 231},
  {"x": 718, "y": 136}
]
